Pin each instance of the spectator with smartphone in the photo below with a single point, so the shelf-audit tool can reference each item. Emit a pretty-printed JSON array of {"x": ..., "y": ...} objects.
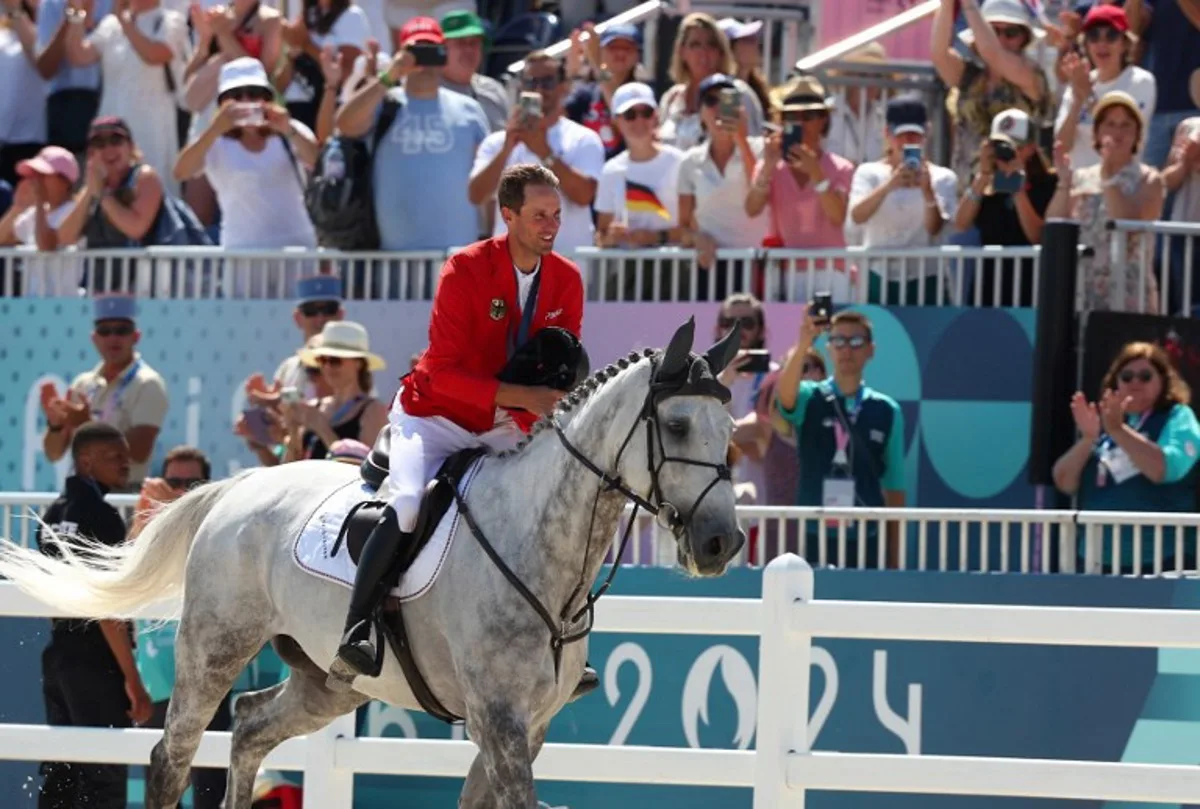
[
  {"x": 351, "y": 411},
  {"x": 744, "y": 377},
  {"x": 850, "y": 437},
  {"x": 714, "y": 179},
  {"x": 701, "y": 50},
  {"x": 601, "y": 64},
  {"x": 89, "y": 676},
  {"x": 903, "y": 200},
  {"x": 1106, "y": 64},
  {"x": 803, "y": 187},
  {"x": 1007, "y": 203},
  {"x": 255, "y": 156},
  {"x": 123, "y": 390},
  {"x": 184, "y": 468},
  {"x": 538, "y": 132},
  {"x": 1120, "y": 187},
  {"x": 422, "y": 165}
]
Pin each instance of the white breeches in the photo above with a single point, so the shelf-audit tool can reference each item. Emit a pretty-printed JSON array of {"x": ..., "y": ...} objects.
[{"x": 420, "y": 445}]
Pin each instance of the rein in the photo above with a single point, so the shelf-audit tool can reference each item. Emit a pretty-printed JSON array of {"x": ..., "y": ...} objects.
[{"x": 666, "y": 514}]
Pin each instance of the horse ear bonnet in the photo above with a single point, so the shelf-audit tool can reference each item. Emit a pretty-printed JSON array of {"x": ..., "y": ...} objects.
[{"x": 683, "y": 373}]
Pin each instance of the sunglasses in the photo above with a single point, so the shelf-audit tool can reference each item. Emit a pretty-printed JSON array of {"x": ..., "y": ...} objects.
[
  {"x": 638, "y": 112},
  {"x": 248, "y": 94},
  {"x": 1145, "y": 376},
  {"x": 809, "y": 367},
  {"x": 123, "y": 330},
  {"x": 840, "y": 341},
  {"x": 1009, "y": 31},
  {"x": 1105, "y": 32},
  {"x": 711, "y": 99},
  {"x": 182, "y": 484},
  {"x": 332, "y": 362},
  {"x": 729, "y": 322},
  {"x": 104, "y": 141},
  {"x": 315, "y": 308},
  {"x": 543, "y": 83}
]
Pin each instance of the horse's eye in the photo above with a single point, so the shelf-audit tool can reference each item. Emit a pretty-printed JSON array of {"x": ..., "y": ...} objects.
[{"x": 678, "y": 427}]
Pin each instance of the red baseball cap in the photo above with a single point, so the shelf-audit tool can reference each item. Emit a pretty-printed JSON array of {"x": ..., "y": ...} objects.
[
  {"x": 421, "y": 29},
  {"x": 1113, "y": 16}
]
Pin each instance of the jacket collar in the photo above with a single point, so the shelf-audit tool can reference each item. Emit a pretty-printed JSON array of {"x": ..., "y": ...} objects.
[{"x": 79, "y": 486}]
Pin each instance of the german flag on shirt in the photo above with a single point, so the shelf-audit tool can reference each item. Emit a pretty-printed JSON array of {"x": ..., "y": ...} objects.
[{"x": 642, "y": 198}]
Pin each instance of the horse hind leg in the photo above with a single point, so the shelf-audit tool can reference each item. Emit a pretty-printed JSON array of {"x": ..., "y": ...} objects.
[
  {"x": 207, "y": 662},
  {"x": 262, "y": 721}
]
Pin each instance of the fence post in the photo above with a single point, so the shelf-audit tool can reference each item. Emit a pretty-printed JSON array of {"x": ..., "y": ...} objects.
[
  {"x": 326, "y": 786},
  {"x": 784, "y": 658}
]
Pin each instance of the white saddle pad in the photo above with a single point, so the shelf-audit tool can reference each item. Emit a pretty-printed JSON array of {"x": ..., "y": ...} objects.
[{"x": 312, "y": 547}]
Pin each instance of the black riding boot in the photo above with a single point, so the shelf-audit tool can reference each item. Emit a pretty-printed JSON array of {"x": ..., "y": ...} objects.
[{"x": 356, "y": 655}]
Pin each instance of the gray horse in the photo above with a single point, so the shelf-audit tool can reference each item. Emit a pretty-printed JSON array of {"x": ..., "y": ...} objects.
[{"x": 652, "y": 428}]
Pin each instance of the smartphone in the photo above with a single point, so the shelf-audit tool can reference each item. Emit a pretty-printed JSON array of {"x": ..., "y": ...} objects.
[
  {"x": 530, "y": 106},
  {"x": 1008, "y": 183},
  {"x": 250, "y": 113},
  {"x": 759, "y": 361},
  {"x": 1003, "y": 151},
  {"x": 428, "y": 54},
  {"x": 822, "y": 306},
  {"x": 289, "y": 395},
  {"x": 729, "y": 104},
  {"x": 793, "y": 134},
  {"x": 913, "y": 157},
  {"x": 258, "y": 427}
]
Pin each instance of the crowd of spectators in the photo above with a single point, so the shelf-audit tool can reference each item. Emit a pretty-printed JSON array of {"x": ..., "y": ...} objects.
[{"x": 221, "y": 113}]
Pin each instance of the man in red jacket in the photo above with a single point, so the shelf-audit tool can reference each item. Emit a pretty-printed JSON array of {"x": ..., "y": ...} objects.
[{"x": 491, "y": 298}]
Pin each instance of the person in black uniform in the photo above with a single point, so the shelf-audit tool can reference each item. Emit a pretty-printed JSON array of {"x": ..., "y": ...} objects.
[{"x": 89, "y": 677}]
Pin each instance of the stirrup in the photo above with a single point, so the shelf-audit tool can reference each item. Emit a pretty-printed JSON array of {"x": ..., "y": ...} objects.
[{"x": 355, "y": 658}]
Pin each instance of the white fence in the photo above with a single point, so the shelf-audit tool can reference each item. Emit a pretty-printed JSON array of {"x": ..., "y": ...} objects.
[
  {"x": 785, "y": 767},
  {"x": 1166, "y": 249},
  {"x": 782, "y": 767},
  {"x": 935, "y": 539},
  {"x": 950, "y": 275}
]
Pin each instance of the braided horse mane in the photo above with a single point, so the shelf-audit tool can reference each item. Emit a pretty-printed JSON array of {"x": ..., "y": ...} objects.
[{"x": 580, "y": 394}]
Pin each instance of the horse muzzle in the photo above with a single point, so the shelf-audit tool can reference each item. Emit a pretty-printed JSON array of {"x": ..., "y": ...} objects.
[{"x": 711, "y": 545}]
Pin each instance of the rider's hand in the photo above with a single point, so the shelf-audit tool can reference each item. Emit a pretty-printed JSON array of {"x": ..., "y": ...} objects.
[{"x": 540, "y": 400}]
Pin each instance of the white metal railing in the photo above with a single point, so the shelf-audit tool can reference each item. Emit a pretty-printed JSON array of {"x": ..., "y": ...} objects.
[
  {"x": 786, "y": 768},
  {"x": 932, "y": 539},
  {"x": 854, "y": 274},
  {"x": 1166, "y": 249}
]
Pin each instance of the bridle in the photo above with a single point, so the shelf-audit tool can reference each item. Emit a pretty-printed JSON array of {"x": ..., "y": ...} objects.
[{"x": 665, "y": 513}]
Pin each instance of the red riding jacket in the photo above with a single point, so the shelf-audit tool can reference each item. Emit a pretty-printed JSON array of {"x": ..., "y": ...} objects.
[{"x": 474, "y": 321}]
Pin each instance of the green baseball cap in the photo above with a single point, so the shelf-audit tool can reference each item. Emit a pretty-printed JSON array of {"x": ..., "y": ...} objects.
[{"x": 460, "y": 24}]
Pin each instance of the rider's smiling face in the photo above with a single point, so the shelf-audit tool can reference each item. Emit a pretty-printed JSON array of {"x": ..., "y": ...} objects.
[{"x": 536, "y": 224}]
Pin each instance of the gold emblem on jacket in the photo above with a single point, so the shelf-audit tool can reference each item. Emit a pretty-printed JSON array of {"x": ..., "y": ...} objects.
[{"x": 498, "y": 309}]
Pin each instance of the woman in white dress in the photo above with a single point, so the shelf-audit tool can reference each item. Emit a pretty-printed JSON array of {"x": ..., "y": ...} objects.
[{"x": 136, "y": 46}]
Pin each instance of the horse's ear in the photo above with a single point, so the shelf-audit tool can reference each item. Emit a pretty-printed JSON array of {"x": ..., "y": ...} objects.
[
  {"x": 723, "y": 352},
  {"x": 675, "y": 360}
]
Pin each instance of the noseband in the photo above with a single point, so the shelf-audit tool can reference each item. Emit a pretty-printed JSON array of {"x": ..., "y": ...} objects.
[{"x": 665, "y": 513}]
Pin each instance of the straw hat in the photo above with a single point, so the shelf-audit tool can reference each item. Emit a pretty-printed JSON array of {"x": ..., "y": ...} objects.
[
  {"x": 345, "y": 339},
  {"x": 1116, "y": 98}
]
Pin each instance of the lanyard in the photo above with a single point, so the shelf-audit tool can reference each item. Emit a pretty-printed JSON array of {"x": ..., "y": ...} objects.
[
  {"x": 528, "y": 306},
  {"x": 114, "y": 401},
  {"x": 842, "y": 425},
  {"x": 1105, "y": 447},
  {"x": 1106, "y": 441},
  {"x": 344, "y": 409}
]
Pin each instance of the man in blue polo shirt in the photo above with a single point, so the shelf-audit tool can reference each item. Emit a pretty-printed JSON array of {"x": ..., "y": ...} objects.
[{"x": 850, "y": 438}]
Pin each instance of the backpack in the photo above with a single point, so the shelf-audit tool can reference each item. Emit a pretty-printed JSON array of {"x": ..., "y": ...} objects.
[{"x": 339, "y": 197}]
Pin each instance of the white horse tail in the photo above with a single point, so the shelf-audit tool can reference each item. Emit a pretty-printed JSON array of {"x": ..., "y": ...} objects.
[{"x": 93, "y": 580}]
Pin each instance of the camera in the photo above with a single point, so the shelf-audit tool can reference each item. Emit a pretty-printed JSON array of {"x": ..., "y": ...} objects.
[
  {"x": 428, "y": 54},
  {"x": 1003, "y": 151}
]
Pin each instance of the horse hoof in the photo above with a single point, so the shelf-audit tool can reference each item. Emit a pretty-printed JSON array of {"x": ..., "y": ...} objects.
[{"x": 341, "y": 677}]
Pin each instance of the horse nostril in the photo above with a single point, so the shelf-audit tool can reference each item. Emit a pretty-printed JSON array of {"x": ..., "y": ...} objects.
[{"x": 713, "y": 546}]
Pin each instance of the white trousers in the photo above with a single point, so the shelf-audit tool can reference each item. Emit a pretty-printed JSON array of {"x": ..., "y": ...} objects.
[{"x": 419, "y": 448}]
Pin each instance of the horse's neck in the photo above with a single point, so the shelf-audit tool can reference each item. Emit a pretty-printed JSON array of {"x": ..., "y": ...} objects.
[{"x": 556, "y": 543}]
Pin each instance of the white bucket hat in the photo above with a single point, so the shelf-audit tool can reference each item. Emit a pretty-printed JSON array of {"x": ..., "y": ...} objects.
[
  {"x": 345, "y": 339},
  {"x": 1013, "y": 12}
]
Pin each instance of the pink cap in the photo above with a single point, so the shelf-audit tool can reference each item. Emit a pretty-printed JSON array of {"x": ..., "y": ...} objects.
[{"x": 50, "y": 161}]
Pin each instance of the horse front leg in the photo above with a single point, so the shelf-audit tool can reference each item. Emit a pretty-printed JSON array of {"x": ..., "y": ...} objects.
[{"x": 502, "y": 775}]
